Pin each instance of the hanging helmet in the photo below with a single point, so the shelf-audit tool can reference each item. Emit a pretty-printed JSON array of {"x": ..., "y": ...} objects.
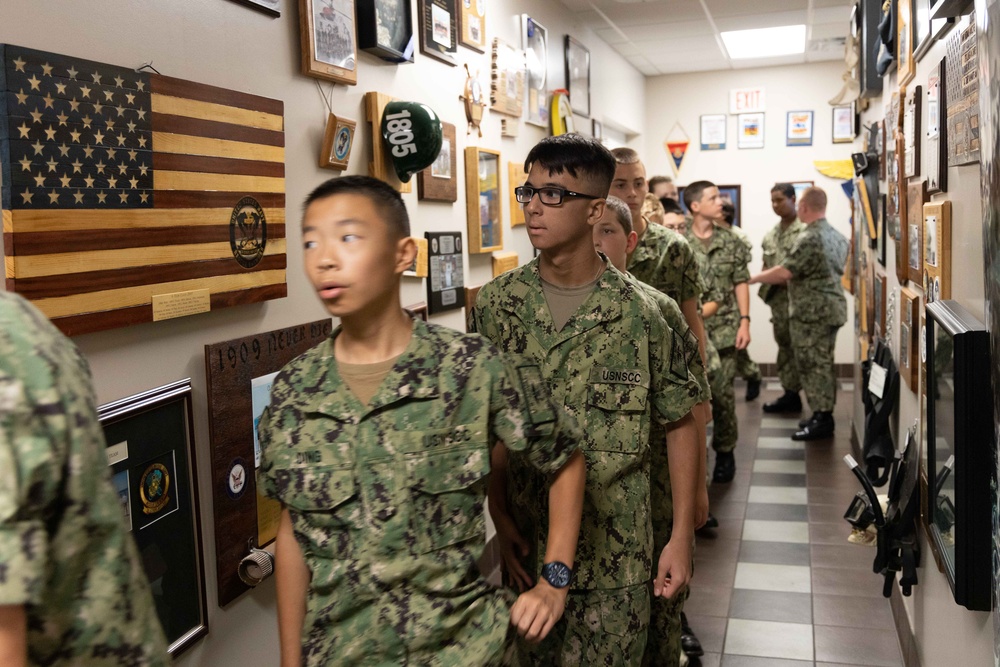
[{"x": 411, "y": 132}]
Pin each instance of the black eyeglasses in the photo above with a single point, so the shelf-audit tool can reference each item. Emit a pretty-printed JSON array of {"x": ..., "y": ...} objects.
[{"x": 550, "y": 196}]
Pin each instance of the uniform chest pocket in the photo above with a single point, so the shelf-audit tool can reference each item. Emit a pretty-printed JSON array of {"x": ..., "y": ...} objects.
[
  {"x": 618, "y": 389},
  {"x": 447, "y": 491},
  {"x": 324, "y": 503}
]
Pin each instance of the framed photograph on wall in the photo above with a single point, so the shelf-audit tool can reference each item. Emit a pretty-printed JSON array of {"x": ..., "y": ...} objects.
[
  {"x": 880, "y": 244},
  {"x": 329, "y": 40},
  {"x": 911, "y": 131},
  {"x": 880, "y": 145},
  {"x": 713, "y": 132},
  {"x": 801, "y": 186},
  {"x": 337, "y": 143},
  {"x": 879, "y": 298},
  {"x": 438, "y": 29},
  {"x": 937, "y": 131},
  {"x": 916, "y": 197},
  {"x": 272, "y": 7},
  {"x": 909, "y": 330},
  {"x": 507, "y": 87},
  {"x": 150, "y": 439},
  {"x": 905, "y": 66},
  {"x": 535, "y": 44},
  {"x": 385, "y": 29},
  {"x": 750, "y": 130},
  {"x": 482, "y": 196},
  {"x": 937, "y": 251},
  {"x": 902, "y": 227},
  {"x": 799, "y": 128},
  {"x": 472, "y": 25},
  {"x": 578, "y": 75},
  {"x": 439, "y": 182},
  {"x": 845, "y": 124},
  {"x": 516, "y": 176},
  {"x": 732, "y": 194},
  {"x": 445, "y": 284}
]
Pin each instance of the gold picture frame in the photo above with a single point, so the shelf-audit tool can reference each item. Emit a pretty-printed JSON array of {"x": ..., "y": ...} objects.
[
  {"x": 516, "y": 176},
  {"x": 916, "y": 197},
  {"x": 909, "y": 330},
  {"x": 937, "y": 251},
  {"x": 472, "y": 25},
  {"x": 484, "y": 209},
  {"x": 329, "y": 45},
  {"x": 905, "y": 66}
]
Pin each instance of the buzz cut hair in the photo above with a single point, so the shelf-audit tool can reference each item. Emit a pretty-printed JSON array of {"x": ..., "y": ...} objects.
[
  {"x": 625, "y": 155},
  {"x": 786, "y": 189},
  {"x": 693, "y": 192},
  {"x": 576, "y": 155},
  {"x": 386, "y": 199},
  {"x": 815, "y": 199},
  {"x": 622, "y": 213},
  {"x": 656, "y": 180}
]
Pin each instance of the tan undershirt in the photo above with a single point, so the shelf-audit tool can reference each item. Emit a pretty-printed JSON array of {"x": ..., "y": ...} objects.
[
  {"x": 364, "y": 379},
  {"x": 565, "y": 301}
]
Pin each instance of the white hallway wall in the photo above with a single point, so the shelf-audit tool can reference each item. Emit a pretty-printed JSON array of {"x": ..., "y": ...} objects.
[
  {"x": 226, "y": 44},
  {"x": 683, "y": 98}
]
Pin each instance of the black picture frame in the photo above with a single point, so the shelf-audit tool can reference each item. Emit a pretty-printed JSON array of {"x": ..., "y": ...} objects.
[
  {"x": 577, "y": 58},
  {"x": 880, "y": 243},
  {"x": 439, "y": 29},
  {"x": 152, "y": 434},
  {"x": 385, "y": 29},
  {"x": 269, "y": 7},
  {"x": 445, "y": 279}
]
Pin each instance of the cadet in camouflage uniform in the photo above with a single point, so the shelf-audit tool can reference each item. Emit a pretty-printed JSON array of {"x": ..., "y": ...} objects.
[
  {"x": 746, "y": 367},
  {"x": 816, "y": 309},
  {"x": 776, "y": 244},
  {"x": 614, "y": 236},
  {"x": 615, "y": 365},
  {"x": 72, "y": 587},
  {"x": 722, "y": 260},
  {"x": 382, "y": 467}
]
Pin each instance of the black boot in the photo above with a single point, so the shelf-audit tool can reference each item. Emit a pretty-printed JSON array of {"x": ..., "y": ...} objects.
[
  {"x": 787, "y": 402},
  {"x": 689, "y": 643},
  {"x": 819, "y": 427},
  {"x": 753, "y": 389},
  {"x": 725, "y": 467}
]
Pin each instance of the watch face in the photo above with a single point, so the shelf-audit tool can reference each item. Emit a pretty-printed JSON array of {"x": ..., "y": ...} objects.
[{"x": 557, "y": 574}]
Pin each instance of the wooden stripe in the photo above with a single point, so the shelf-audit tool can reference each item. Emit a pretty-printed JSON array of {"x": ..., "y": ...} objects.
[
  {"x": 175, "y": 199},
  {"x": 167, "y": 85},
  {"x": 144, "y": 218},
  {"x": 180, "y": 106},
  {"x": 187, "y": 145},
  {"x": 8, "y": 269},
  {"x": 209, "y": 128},
  {"x": 40, "y": 243},
  {"x": 97, "y": 281},
  {"x": 8, "y": 220},
  {"x": 34, "y": 266},
  {"x": 237, "y": 298},
  {"x": 216, "y": 165},
  {"x": 143, "y": 294},
  {"x": 186, "y": 180}
]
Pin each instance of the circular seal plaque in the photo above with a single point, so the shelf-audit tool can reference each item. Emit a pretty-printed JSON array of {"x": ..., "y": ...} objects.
[
  {"x": 236, "y": 481},
  {"x": 153, "y": 488},
  {"x": 247, "y": 232}
]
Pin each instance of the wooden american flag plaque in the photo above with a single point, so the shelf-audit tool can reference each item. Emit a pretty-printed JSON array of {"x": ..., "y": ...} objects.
[{"x": 120, "y": 186}]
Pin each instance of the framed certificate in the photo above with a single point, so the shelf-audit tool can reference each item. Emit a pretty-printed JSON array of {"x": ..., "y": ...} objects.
[
  {"x": 799, "y": 129},
  {"x": 472, "y": 25},
  {"x": 750, "y": 130},
  {"x": 713, "y": 132}
]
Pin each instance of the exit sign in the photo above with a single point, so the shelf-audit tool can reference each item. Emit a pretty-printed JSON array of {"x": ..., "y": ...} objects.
[{"x": 746, "y": 100}]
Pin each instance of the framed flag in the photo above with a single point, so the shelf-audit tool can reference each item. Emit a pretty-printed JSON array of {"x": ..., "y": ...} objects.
[{"x": 131, "y": 197}]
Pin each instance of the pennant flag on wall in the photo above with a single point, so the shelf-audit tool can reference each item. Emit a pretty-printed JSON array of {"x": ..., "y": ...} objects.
[
  {"x": 120, "y": 188},
  {"x": 677, "y": 144}
]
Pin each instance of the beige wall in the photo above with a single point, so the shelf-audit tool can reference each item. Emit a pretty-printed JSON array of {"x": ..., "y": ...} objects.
[
  {"x": 944, "y": 630},
  {"x": 225, "y": 44},
  {"x": 683, "y": 98}
]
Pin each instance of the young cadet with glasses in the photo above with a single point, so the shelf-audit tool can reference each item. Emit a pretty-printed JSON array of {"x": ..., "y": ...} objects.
[
  {"x": 377, "y": 443},
  {"x": 608, "y": 356}
]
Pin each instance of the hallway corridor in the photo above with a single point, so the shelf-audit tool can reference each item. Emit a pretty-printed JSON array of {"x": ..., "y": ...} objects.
[{"x": 777, "y": 584}]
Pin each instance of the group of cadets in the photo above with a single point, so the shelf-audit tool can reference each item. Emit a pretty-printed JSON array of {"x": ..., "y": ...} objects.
[{"x": 578, "y": 407}]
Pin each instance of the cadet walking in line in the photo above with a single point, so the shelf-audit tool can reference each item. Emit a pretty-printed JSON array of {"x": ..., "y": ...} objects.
[{"x": 746, "y": 367}]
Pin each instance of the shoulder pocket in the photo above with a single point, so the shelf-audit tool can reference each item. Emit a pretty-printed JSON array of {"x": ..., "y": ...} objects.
[{"x": 448, "y": 489}]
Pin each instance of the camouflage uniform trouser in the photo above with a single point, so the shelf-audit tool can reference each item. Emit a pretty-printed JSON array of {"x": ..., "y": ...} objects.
[
  {"x": 724, "y": 432},
  {"x": 663, "y": 646},
  {"x": 746, "y": 367},
  {"x": 813, "y": 345},
  {"x": 788, "y": 372},
  {"x": 600, "y": 628}
]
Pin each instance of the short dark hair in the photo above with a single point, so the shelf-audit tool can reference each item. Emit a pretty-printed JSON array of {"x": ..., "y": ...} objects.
[
  {"x": 784, "y": 188},
  {"x": 728, "y": 211},
  {"x": 656, "y": 180},
  {"x": 692, "y": 193},
  {"x": 385, "y": 198},
  {"x": 671, "y": 206},
  {"x": 625, "y": 155},
  {"x": 622, "y": 213},
  {"x": 578, "y": 156}
]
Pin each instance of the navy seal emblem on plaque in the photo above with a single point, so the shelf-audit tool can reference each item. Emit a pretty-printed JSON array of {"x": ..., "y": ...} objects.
[
  {"x": 248, "y": 232},
  {"x": 154, "y": 488}
]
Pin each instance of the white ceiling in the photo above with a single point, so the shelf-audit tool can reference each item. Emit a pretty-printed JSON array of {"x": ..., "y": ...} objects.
[{"x": 671, "y": 36}]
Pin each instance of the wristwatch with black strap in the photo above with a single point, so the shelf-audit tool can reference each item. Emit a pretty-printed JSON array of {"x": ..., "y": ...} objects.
[{"x": 557, "y": 574}]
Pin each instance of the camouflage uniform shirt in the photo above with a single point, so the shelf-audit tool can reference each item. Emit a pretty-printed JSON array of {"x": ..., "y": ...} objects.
[
  {"x": 723, "y": 264},
  {"x": 835, "y": 245},
  {"x": 613, "y": 365},
  {"x": 664, "y": 260},
  {"x": 776, "y": 244},
  {"x": 65, "y": 553},
  {"x": 386, "y": 499},
  {"x": 814, "y": 292}
]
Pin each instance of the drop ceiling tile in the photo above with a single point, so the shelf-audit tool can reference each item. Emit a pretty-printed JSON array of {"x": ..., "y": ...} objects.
[{"x": 728, "y": 8}]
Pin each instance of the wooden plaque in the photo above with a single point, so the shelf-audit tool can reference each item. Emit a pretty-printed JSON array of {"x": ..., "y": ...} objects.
[
  {"x": 418, "y": 309},
  {"x": 504, "y": 262},
  {"x": 329, "y": 45},
  {"x": 484, "y": 212},
  {"x": 419, "y": 267},
  {"x": 439, "y": 182},
  {"x": 243, "y": 518},
  {"x": 516, "y": 176},
  {"x": 471, "y": 294},
  {"x": 902, "y": 227},
  {"x": 472, "y": 25},
  {"x": 381, "y": 167},
  {"x": 507, "y": 89},
  {"x": 909, "y": 328},
  {"x": 879, "y": 306},
  {"x": 916, "y": 196},
  {"x": 911, "y": 130},
  {"x": 937, "y": 251}
]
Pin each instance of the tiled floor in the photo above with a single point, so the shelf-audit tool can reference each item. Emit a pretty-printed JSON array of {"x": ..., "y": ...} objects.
[{"x": 777, "y": 584}]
